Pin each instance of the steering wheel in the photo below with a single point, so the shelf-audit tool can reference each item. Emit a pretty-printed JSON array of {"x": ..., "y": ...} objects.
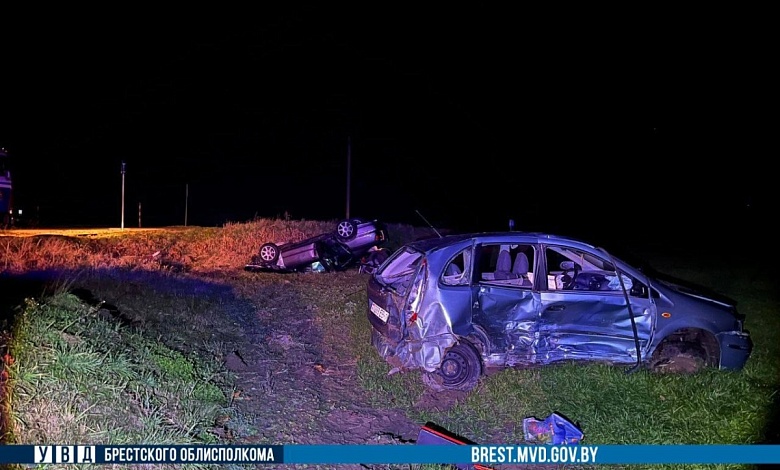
[{"x": 568, "y": 280}]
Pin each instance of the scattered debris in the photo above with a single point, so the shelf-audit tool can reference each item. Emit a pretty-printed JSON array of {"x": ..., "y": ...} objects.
[
  {"x": 555, "y": 429},
  {"x": 432, "y": 434}
]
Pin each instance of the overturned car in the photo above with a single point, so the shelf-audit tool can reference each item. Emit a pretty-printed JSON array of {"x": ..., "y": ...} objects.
[
  {"x": 345, "y": 247},
  {"x": 457, "y": 305}
]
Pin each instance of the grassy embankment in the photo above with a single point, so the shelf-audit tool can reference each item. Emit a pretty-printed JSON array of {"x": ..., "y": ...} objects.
[{"x": 79, "y": 375}]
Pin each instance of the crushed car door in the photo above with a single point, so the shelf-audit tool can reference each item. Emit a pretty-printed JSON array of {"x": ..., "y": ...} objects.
[
  {"x": 505, "y": 308},
  {"x": 584, "y": 314}
]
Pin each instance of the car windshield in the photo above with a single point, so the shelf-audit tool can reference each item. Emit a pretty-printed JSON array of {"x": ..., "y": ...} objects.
[{"x": 586, "y": 261}]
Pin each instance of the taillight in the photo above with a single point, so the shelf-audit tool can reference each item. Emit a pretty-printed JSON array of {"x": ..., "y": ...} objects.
[{"x": 414, "y": 301}]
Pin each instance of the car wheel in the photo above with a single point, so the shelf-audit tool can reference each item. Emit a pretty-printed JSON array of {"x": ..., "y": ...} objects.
[
  {"x": 346, "y": 229},
  {"x": 269, "y": 253},
  {"x": 460, "y": 369},
  {"x": 674, "y": 357}
]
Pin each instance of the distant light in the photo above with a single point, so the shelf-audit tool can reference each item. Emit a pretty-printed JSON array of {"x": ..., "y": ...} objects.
[{"x": 20, "y": 212}]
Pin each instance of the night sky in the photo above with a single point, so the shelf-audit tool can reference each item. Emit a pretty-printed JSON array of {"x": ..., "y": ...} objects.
[{"x": 471, "y": 117}]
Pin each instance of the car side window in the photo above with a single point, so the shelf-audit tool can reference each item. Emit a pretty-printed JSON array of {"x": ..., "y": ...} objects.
[
  {"x": 506, "y": 265},
  {"x": 457, "y": 271},
  {"x": 573, "y": 270}
]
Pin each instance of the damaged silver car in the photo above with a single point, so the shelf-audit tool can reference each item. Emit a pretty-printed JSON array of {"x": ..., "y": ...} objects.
[
  {"x": 354, "y": 241},
  {"x": 458, "y": 305}
]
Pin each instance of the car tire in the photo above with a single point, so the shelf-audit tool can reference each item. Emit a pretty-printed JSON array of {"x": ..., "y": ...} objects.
[
  {"x": 678, "y": 358},
  {"x": 269, "y": 253},
  {"x": 460, "y": 369},
  {"x": 346, "y": 229}
]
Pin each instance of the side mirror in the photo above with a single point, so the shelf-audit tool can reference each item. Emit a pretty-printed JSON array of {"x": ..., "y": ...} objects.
[{"x": 568, "y": 265}]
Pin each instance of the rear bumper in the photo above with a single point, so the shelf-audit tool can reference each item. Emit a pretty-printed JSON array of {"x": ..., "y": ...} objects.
[{"x": 382, "y": 344}]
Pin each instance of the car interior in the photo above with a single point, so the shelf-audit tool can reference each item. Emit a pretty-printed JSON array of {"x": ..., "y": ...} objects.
[{"x": 507, "y": 265}]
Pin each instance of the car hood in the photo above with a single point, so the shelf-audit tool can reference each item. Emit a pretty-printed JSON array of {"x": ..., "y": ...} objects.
[{"x": 698, "y": 293}]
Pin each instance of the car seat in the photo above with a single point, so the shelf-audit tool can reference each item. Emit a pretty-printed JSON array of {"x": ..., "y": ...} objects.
[
  {"x": 520, "y": 269},
  {"x": 521, "y": 264},
  {"x": 504, "y": 266},
  {"x": 452, "y": 270}
]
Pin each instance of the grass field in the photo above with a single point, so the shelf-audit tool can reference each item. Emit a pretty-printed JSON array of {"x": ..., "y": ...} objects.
[{"x": 80, "y": 375}]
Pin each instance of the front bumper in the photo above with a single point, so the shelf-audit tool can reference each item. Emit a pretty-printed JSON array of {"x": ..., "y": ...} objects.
[{"x": 735, "y": 349}]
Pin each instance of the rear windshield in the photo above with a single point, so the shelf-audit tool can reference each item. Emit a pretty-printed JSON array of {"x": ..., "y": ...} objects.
[{"x": 397, "y": 272}]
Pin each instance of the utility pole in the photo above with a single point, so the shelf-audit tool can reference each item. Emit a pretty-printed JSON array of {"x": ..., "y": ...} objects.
[
  {"x": 123, "y": 195},
  {"x": 186, "y": 200},
  {"x": 349, "y": 170}
]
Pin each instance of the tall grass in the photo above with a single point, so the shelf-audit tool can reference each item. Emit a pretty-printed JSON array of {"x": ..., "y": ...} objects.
[
  {"x": 76, "y": 376},
  {"x": 196, "y": 249}
]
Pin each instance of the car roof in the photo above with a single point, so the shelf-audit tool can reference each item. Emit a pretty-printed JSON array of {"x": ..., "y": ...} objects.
[{"x": 429, "y": 244}]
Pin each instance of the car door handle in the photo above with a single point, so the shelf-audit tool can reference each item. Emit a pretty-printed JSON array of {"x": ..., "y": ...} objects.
[{"x": 556, "y": 308}]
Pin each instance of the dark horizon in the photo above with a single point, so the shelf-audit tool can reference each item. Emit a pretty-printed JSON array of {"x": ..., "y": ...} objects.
[{"x": 469, "y": 126}]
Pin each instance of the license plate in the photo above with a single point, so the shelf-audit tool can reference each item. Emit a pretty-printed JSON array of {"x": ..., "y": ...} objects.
[{"x": 381, "y": 313}]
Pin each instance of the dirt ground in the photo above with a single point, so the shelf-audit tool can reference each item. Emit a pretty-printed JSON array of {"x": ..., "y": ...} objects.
[
  {"x": 299, "y": 387},
  {"x": 296, "y": 382}
]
